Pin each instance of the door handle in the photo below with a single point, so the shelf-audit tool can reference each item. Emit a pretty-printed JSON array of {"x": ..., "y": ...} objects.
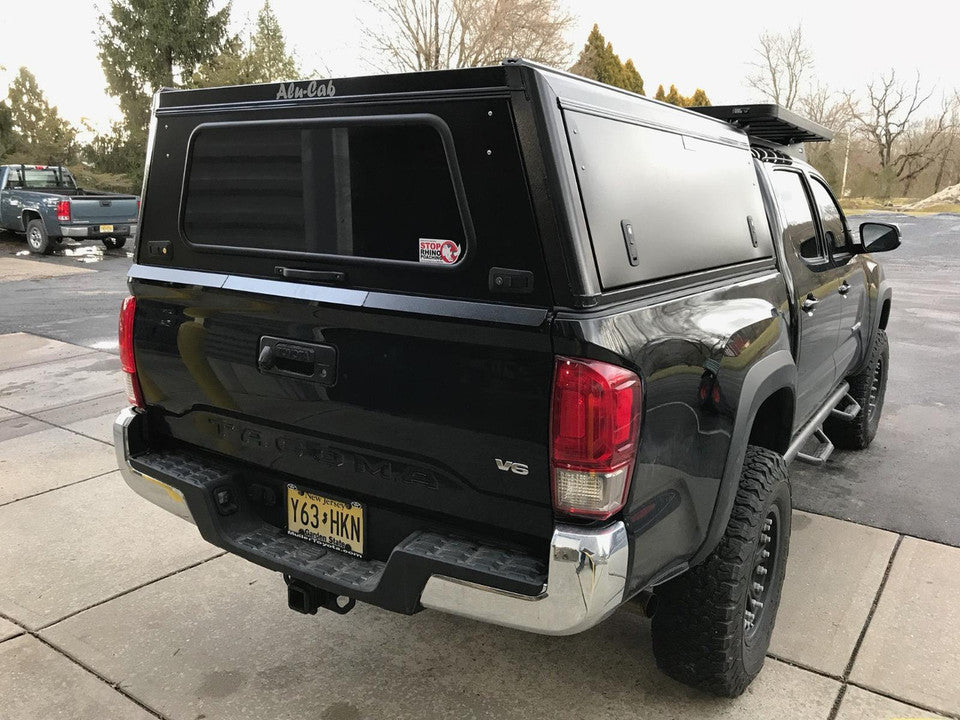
[
  {"x": 844, "y": 288},
  {"x": 809, "y": 304}
]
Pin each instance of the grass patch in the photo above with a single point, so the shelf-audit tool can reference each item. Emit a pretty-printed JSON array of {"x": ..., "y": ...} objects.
[
  {"x": 941, "y": 208},
  {"x": 859, "y": 206}
]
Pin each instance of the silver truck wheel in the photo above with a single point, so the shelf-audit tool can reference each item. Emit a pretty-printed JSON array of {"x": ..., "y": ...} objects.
[{"x": 37, "y": 239}]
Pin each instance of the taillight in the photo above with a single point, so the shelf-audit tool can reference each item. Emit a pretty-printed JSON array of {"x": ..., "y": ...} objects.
[
  {"x": 594, "y": 429},
  {"x": 127, "y": 311},
  {"x": 63, "y": 211}
]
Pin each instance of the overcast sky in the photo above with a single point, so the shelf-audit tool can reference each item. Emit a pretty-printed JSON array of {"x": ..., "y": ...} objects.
[{"x": 705, "y": 44}]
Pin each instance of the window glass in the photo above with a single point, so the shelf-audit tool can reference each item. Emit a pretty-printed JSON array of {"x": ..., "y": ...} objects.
[
  {"x": 12, "y": 178},
  {"x": 47, "y": 178},
  {"x": 801, "y": 230},
  {"x": 373, "y": 191},
  {"x": 834, "y": 228}
]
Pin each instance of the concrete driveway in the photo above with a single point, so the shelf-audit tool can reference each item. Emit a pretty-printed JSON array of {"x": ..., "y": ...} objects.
[{"x": 109, "y": 607}]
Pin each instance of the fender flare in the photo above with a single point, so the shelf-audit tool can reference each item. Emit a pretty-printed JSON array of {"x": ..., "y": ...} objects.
[
  {"x": 33, "y": 211},
  {"x": 774, "y": 372},
  {"x": 884, "y": 293}
]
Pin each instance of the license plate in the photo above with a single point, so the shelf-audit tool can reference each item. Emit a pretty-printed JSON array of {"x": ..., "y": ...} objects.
[
  {"x": 332, "y": 523},
  {"x": 106, "y": 228}
]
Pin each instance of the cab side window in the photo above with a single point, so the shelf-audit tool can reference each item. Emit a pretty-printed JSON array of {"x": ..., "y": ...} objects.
[
  {"x": 801, "y": 229},
  {"x": 834, "y": 226}
]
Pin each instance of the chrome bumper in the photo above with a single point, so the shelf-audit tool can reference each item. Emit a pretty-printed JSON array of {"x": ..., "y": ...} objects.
[
  {"x": 83, "y": 231},
  {"x": 586, "y": 572},
  {"x": 167, "y": 497},
  {"x": 586, "y": 577}
]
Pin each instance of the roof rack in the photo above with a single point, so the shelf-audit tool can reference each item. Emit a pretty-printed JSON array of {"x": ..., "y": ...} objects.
[{"x": 772, "y": 123}]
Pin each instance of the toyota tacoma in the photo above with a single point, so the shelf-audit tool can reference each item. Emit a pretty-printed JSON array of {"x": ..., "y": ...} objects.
[{"x": 500, "y": 342}]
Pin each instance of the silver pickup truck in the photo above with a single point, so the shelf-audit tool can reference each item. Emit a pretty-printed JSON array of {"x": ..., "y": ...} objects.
[{"x": 44, "y": 203}]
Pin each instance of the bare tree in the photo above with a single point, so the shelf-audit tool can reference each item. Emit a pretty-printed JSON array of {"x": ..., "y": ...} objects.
[
  {"x": 784, "y": 61},
  {"x": 436, "y": 34},
  {"x": 826, "y": 107},
  {"x": 904, "y": 144},
  {"x": 948, "y": 145}
]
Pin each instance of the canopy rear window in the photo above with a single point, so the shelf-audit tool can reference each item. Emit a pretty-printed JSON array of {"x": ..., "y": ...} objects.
[{"x": 371, "y": 187}]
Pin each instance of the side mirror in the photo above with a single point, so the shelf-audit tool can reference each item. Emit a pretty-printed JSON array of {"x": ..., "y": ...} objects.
[{"x": 879, "y": 237}]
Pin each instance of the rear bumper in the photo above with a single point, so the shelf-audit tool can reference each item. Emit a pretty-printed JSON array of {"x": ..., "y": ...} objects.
[
  {"x": 582, "y": 582},
  {"x": 93, "y": 231}
]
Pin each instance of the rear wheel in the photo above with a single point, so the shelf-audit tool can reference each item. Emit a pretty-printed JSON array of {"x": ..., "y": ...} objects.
[
  {"x": 868, "y": 387},
  {"x": 37, "y": 239},
  {"x": 113, "y": 243},
  {"x": 713, "y": 624}
]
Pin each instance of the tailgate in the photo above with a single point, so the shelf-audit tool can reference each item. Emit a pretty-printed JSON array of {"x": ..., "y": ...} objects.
[
  {"x": 396, "y": 244},
  {"x": 431, "y": 421},
  {"x": 105, "y": 209}
]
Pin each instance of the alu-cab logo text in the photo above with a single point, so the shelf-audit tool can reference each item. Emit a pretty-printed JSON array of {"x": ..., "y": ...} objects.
[{"x": 312, "y": 89}]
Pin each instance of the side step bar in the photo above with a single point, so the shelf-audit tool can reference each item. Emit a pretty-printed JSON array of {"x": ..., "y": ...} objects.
[
  {"x": 847, "y": 410},
  {"x": 814, "y": 426}
]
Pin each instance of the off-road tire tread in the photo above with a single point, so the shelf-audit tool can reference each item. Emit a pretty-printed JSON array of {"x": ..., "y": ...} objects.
[
  {"x": 698, "y": 626},
  {"x": 857, "y": 434}
]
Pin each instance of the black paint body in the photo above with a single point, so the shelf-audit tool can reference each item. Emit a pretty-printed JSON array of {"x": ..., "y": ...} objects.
[{"x": 439, "y": 372}]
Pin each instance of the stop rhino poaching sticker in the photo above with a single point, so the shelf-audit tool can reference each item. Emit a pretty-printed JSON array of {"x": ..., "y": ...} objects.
[{"x": 439, "y": 252}]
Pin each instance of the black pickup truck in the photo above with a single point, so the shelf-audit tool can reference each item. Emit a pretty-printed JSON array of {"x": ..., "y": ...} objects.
[{"x": 499, "y": 342}]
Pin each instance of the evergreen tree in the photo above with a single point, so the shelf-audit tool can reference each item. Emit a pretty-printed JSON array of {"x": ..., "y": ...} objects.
[
  {"x": 41, "y": 135},
  {"x": 598, "y": 61},
  {"x": 149, "y": 44},
  {"x": 674, "y": 97},
  {"x": 631, "y": 78},
  {"x": 262, "y": 58},
  {"x": 699, "y": 97},
  {"x": 269, "y": 59},
  {"x": 8, "y": 138}
]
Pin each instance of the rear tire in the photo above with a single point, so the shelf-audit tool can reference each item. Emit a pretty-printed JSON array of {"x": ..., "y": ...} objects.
[
  {"x": 37, "y": 239},
  {"x": 114, "y": 243},
  {"x": 713, "y": 624},
  {"x": 868, "y": 387}
]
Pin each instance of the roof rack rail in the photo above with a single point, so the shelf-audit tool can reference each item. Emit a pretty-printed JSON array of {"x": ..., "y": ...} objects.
[{"x": 771, "y": 123}]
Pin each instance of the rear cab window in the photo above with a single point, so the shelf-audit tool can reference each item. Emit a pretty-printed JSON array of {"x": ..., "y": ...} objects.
[{"x": 45, "y": 178}]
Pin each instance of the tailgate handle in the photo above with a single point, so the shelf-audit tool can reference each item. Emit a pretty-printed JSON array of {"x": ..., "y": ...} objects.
[
  {"x": 310, "y": 275},
  {"x": 307, "y": 361}
]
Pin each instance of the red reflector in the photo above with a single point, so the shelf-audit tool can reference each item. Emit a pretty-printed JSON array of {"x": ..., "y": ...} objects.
[
  {"x": 127, "y": 311},
  {"x": 63, "y": 211},
  {"x": 595, "y": 426}
]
